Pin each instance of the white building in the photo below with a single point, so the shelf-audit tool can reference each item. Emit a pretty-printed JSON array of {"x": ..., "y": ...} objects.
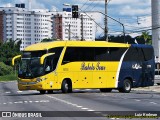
[
  {"x": 68, "y": 28},
  {"x": 33, "y": 26},
  {"x": 29, "y": 26}
]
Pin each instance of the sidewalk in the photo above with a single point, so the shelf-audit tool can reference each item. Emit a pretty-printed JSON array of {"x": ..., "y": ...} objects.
[{"x": 155, "y": 88}]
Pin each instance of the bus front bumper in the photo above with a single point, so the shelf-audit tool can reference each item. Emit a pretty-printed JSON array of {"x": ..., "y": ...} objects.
[{"x": 37, "y": 86}]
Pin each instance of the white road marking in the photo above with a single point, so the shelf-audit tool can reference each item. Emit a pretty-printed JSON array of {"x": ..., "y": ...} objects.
[
  {"x": 25, "y": 101},
  {"x": 84, "y": 108},
  {"x": 137, "y": 100},
  {"x": 19, "y": 91},
  {"x": 69, "y": 103},
  {"x": 79, "y": 106},
  {"x": 74, "y": 104},
  {"x": 114, "y": 118},
  {"x": 44, "y": 100},
  {"x": 7, "y": 92},
  {"x": 153, "y": 103},
  {"x": 18, "y": 102},
  {"x": 90, "y": 110}
]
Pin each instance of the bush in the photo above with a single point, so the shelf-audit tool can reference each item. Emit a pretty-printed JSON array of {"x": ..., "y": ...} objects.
[{"x": 5, "y": 69}]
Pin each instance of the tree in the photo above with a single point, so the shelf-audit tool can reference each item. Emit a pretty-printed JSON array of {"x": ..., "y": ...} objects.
[
  {"x": 145, "y": 35},
  {"x": 48, "y": 40},
  {"x": 8, "y": 50}
]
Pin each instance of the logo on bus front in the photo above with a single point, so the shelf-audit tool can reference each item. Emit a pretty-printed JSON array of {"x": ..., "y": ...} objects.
[{"x": 91, "y": 66}]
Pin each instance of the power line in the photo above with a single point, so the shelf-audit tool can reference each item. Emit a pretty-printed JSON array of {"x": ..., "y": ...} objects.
[
  {"x": 94, "y": 6},
  {"x": 89, "y": 5},
  {"x": 84, "y": 4}
]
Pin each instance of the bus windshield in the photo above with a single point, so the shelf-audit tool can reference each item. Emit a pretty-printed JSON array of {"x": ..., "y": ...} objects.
[{"x": 30, "y": 68}]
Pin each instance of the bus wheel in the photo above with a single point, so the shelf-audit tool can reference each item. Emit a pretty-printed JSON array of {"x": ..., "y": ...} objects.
[
  {"x": 105, "y": 89},
  {"x": 158, "y": 83},
  {"x": 42, "y": 91},
  {"x": 127, "y": 85},
  {"x": 66, "y": 86}
]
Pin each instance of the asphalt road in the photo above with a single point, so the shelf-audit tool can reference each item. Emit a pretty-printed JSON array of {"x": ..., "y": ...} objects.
[{"x": 79, "y": 103}]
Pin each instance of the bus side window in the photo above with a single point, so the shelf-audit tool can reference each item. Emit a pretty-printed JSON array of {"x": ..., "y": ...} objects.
[
  {"x": 131, "y": 55},
  {"x": 116, "y": 53},
  {"x": 148, "y": 53},
  {"x": 71, "y": 55},
  {"x": 85, "y": 53},
  {"x": 74, "y": 54},
  {"x": 141, "y": 55},
  {"x": 101, "y": 54}
]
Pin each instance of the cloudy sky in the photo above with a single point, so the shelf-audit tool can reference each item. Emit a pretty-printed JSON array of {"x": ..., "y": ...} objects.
[{"x": 134, "y": 14}]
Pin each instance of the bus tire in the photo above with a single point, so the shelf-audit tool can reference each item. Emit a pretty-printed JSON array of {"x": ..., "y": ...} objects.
[
  {"x": 158, "y": 83},
  {"x": 42, "y": 91},
  {"x": 66, "y": 86},
  {"x": 106, "y": 89},
  {"x": 127, "y": 85}
]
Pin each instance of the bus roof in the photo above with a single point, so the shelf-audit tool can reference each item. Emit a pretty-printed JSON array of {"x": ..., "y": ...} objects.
[{"x": 48, "y": 45}]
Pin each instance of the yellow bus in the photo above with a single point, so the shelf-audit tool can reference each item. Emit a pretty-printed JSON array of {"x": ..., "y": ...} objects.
[{"x": 68, "y": 65}]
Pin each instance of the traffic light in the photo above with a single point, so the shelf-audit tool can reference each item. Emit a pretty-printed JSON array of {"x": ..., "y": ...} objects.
[{"x": 75, "y": 11}]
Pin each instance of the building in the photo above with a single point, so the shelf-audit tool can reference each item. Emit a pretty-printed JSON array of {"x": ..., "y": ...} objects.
[
  {"x": 19, "y": 23},
  {"x": 1, "y": 26},
  {"x": 156, "y": 27},
  {"x": 28, "y": 26},
  {"x": 67, "y": 28}
]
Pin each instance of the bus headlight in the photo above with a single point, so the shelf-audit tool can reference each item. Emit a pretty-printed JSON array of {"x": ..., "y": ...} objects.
[{"x": 40, "y": 79}]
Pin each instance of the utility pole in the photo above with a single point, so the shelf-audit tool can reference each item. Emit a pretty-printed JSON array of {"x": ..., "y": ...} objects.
[
  {"x": 82, "y": 38},
  {"x": 106, "y": 21}
]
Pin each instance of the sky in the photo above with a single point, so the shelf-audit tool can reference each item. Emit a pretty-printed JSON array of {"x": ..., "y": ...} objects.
[{"x": 134, "y": 14}]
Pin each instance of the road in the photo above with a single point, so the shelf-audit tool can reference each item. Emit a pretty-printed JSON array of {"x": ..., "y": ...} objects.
[{"x": 11, "y": 99}]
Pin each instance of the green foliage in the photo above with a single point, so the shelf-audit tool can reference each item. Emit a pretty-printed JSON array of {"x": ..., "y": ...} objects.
[
  {"x": 48, "y": 40},
  {"x": 145, "y": 38},
  {"x": 145, "y": 35},
  {"x": 8, "y": 77},
  {"x": 8, "y": 50},
  {"x": 5, "y": 69}
]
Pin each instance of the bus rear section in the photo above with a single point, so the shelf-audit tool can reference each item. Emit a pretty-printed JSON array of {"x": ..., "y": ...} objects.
[{"x": 138, "y": 67}]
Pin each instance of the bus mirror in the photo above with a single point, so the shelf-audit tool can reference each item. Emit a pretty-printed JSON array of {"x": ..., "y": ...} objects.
[
  {"x": 16, "y": 57},
  {"x": 44, "y": 56}
]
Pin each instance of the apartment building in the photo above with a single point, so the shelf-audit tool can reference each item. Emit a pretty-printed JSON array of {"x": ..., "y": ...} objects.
[
  {"x": 32, "y": 26},
  {"x": 28, "y": 26}
]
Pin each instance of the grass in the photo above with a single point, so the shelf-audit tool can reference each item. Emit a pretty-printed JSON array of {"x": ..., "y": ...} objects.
[{"x": 8, "y": 77}]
